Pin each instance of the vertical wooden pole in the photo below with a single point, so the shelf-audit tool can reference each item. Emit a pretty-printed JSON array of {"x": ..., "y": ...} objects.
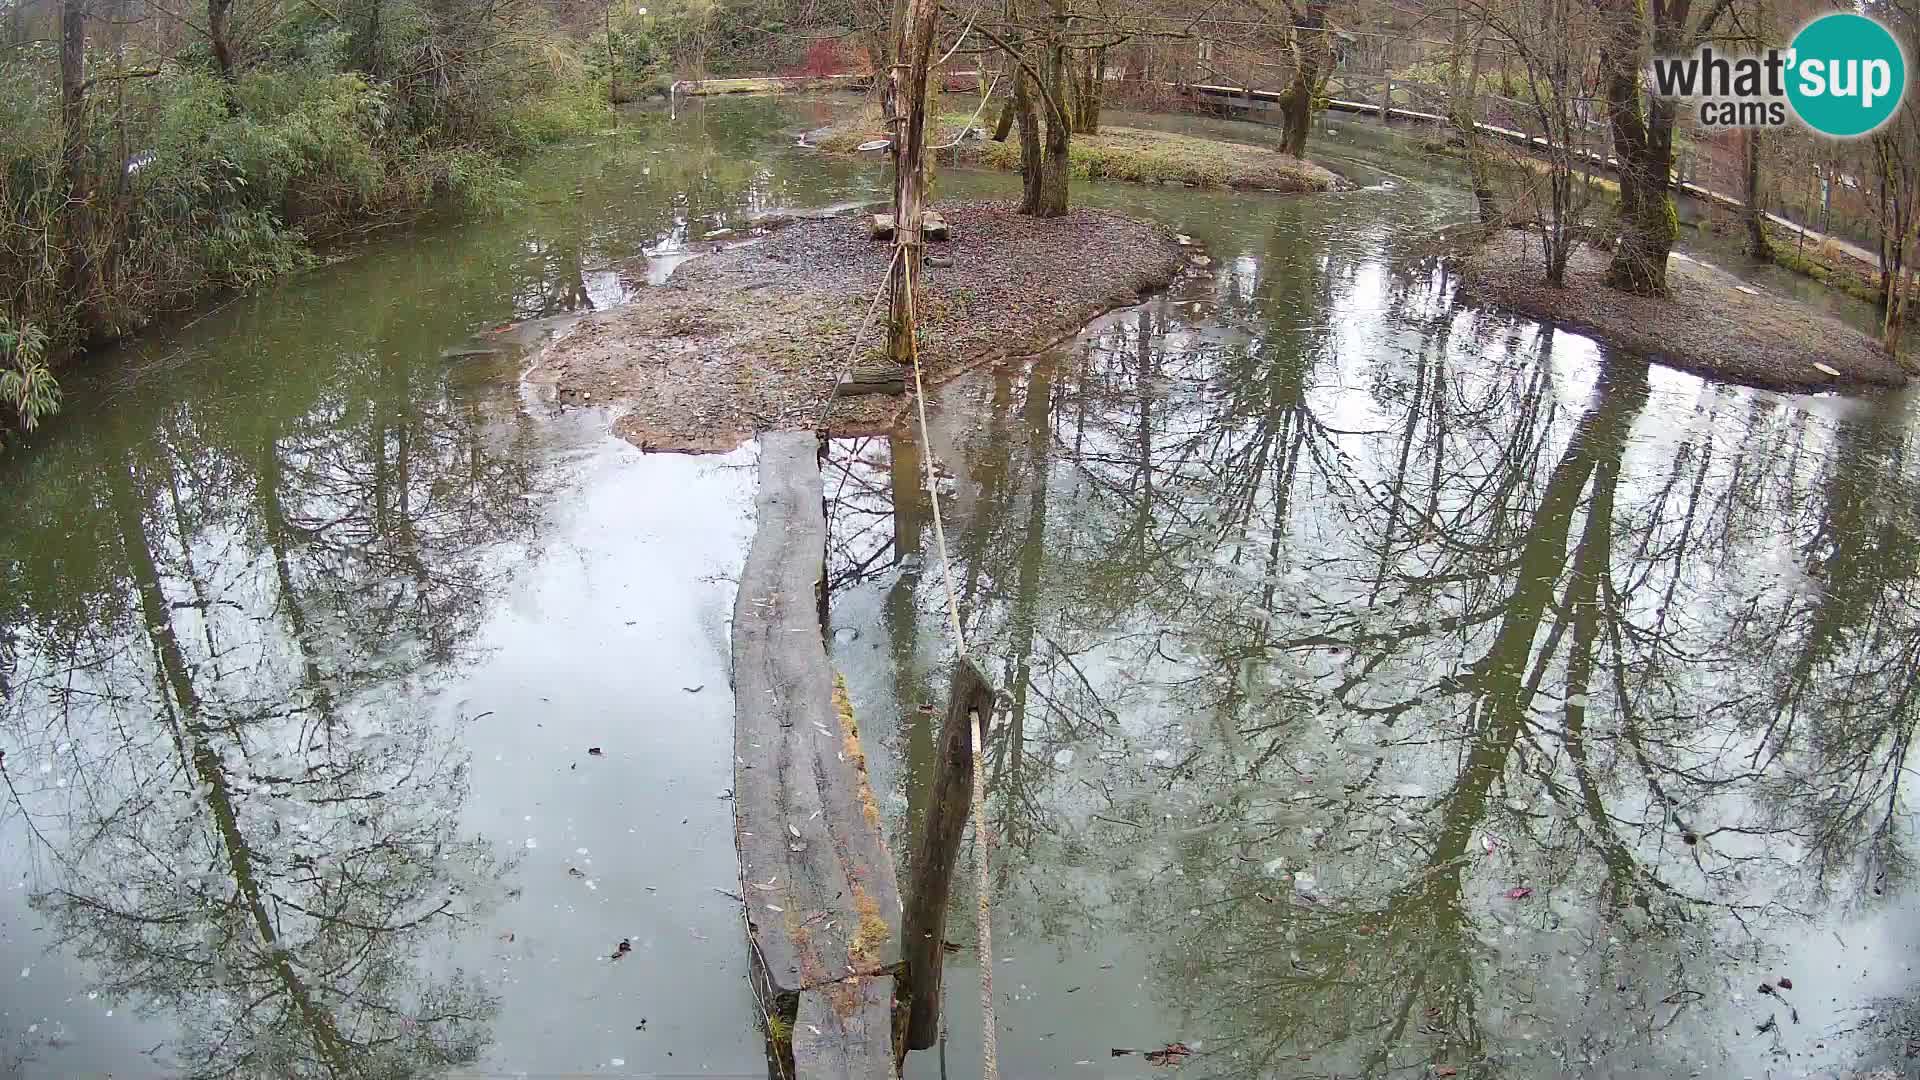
[
  {"x": 821, "y": 599},
  {"x": 906, "y": 112},
  {"x": 923, "y": 928}
]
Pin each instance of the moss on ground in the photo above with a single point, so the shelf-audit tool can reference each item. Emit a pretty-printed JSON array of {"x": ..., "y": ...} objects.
[{"x": 1828, "y": 266}]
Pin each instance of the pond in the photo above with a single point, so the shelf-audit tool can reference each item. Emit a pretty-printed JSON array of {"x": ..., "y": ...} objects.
[{"x": 1390, "y": 687}]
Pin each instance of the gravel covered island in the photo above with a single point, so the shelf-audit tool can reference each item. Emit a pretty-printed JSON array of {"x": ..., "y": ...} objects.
[
  {"x": 1712, "y": 325},
  {"x": 754, "y": 337}
]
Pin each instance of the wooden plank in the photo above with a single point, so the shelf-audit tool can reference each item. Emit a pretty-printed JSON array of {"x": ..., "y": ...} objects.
[
  {"x": 925, "y": 924},
  {"x": 822, "y": 901},
  {"x": 845, "y": 1030}
]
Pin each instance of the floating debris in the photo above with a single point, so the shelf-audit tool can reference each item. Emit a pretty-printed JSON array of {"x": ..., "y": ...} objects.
[{"x": 1171, "y": 1054}]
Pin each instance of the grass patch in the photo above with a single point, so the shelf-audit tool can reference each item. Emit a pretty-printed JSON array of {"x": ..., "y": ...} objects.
[
  {"x": 1828, "y": 267},
  {"x": 1159, "y": 157},
  {"x": 1116, "y": 153}
]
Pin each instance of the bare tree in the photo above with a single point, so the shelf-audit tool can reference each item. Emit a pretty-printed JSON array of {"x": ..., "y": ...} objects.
[{"x": 1642, "y": 125}]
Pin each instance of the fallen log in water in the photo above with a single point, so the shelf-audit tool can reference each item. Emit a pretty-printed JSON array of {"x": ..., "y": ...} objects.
[{"x": 822, "y": 904}]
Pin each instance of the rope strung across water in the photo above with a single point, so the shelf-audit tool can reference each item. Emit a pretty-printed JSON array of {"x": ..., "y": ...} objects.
[
  {"x": 982, "y": 835},
  {"x": 933, "y": 492}
]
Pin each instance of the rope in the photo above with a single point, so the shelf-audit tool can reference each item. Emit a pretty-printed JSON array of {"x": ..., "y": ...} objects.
[
  {"x": 846, "y": 367},
  {"x": 933, "y": 492},
  {"x": 982, "y": 834},
  {"x": 988, "y": 96},
  {"x": 982, "y": 841}
]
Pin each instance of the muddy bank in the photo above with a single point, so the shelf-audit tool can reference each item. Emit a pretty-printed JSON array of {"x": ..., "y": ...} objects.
[
  {"x": 1712, "y": 325},
  {"x": 755, "y": 337}
]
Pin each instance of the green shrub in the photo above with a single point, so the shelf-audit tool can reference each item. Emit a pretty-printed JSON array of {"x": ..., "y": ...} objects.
[
  {"x": 190, "y": 184},
  {"x": 27, "y": 387}
]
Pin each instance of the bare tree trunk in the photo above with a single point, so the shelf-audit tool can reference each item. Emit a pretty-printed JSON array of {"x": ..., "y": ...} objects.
[
  {"x": 613, "y": 58},
  {"x": 1030, "y": 150},
  {"x": 1296, "y": 108},
  {"x": 1754, "y": 211},
  {"x": 220, "y": 35},
  {"x": 78, "y": 241},
  {"x": 1090, "y": 91},
  {"x": 1099, "y": 91},
  {"x": 1891, "y": 326},
  {"x": 1052, "y": 201},
  {"x": 73, "y": 78},
  {"x": 1463, "y": 110},
  {"x": 1004, "y": 126},
  {"x": 370, "y": 47},
  {"x": 1386, "y": 83},
  {"x": 1643, "y": 144},
  {"x": 907, "y": 87}
]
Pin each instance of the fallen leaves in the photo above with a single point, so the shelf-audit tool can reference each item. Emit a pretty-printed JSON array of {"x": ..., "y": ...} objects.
[{"x": 755, "y": 360}]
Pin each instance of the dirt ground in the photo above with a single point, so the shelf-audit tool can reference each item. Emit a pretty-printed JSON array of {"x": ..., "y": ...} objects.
[
  {"x": 755, "y": 337},
  {"x": 1709, "y": 326}
]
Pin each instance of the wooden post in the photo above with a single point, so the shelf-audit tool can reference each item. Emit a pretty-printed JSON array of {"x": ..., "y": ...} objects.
[
  {"x": 906, "y": 112},
  {"x": 924, "y": 925}
]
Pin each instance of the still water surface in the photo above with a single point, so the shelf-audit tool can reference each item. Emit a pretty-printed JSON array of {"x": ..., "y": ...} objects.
[{"x": 1392, "y": 687}]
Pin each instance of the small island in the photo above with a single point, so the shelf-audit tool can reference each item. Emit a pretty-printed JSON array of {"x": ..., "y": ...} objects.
[
  {"x": 1139, "y": 155},
  {"x": 1711, "y": 323},
  {"x": 756, "y": 336}
]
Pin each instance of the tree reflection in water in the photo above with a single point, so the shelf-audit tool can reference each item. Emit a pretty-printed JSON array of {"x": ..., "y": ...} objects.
[
  {"x": 254, "y": 823},
  {"x": 1509, "y": 705}
]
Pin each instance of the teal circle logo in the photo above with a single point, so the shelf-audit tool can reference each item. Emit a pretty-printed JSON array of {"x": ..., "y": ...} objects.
[{"x": 1848, "y": 75}]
